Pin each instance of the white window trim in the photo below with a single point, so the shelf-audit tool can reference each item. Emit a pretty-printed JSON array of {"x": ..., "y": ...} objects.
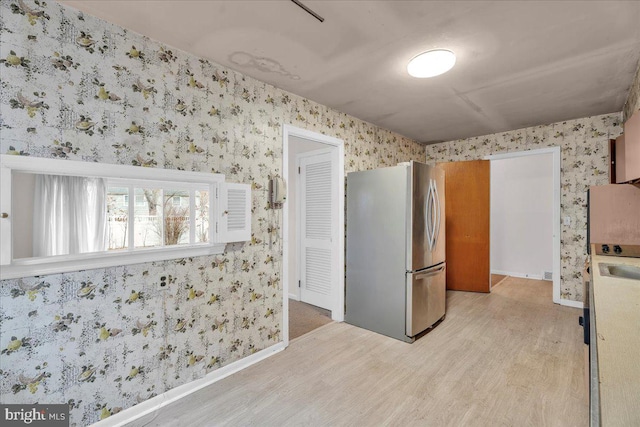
[{"x": 69, "y": 263}]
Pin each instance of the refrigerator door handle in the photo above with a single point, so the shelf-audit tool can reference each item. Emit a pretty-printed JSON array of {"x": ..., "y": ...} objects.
[
  {"x": 430, "y": 272},
  {"x": 429, "y": 216},
  {"x": 438, "y": 215},
  {"x": 433, "y": 212}
]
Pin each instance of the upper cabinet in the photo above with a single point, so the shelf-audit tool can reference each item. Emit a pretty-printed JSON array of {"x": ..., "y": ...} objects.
[{"x": 628, "y": 151}]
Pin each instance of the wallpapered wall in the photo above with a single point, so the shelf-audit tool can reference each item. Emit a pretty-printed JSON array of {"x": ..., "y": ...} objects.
[
  {"x": 584, "y": 147},
  {"x": 75, "y": 87},
  {"x": 633, "y": 99}
]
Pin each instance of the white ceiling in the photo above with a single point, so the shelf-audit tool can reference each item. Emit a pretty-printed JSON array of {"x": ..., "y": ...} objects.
[{"x": 520, "y": 63}]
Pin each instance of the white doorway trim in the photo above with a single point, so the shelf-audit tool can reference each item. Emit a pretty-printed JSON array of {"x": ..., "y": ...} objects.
[
  {"x": 337, "y": 311},
  {"x": 555, "y": 151}
]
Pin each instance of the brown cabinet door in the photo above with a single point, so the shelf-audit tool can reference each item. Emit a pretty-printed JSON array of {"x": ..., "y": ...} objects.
[{"x": 467, "y": 213}]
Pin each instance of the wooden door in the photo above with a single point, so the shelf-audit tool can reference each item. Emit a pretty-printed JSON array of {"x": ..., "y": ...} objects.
[
  {"x": 467, "y": 213},
  {"x": 318, "y": 245}
]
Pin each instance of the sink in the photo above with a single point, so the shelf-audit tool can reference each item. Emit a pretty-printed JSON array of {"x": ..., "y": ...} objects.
[{"x": 620, "y": 270}]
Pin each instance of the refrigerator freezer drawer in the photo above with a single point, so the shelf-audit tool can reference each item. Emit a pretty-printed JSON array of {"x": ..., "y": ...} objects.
[{"x": 426, "y": 293}]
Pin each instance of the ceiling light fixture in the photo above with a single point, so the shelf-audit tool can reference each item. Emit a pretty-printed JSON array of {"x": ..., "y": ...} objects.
[{"x": 431, "y": 63}]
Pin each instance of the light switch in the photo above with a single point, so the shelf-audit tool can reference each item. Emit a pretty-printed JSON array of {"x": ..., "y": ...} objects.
[{"x": 567, "y": 220}]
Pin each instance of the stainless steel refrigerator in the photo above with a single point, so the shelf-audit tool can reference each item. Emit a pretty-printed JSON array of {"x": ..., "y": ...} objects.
[{"x": 396, "y": 269}]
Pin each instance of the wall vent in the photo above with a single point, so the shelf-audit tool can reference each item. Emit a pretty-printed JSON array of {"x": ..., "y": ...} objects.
[{"x": 547, "y": 275}]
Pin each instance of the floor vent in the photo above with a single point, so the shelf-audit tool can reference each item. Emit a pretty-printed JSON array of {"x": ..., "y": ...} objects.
[{"x": 547, "y": 275}]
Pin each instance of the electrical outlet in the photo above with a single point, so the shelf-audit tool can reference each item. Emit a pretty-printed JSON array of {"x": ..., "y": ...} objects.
[{"x": 566, "y": 220}]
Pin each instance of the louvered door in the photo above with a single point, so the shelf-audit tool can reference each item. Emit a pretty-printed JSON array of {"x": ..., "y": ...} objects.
[
  {"x": 318, "y": 185},
  {"x": 234, "y": 212}
]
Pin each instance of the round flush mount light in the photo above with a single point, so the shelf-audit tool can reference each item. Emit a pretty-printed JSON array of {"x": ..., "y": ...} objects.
[{"x": 431, "y": 63}]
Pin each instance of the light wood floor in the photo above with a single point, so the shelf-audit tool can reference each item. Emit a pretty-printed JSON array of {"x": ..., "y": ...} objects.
[{"x": 509, "y": 358}]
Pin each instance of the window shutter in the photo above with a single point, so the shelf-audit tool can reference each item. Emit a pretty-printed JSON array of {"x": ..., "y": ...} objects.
[{"x": 234, "y": 212}]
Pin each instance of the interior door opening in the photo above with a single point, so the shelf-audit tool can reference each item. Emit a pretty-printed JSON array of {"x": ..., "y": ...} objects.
[
  {"x": 472, "y": 220},
  {"x": 525, "y": 216},
  {"x": 313, "y": 250},
  {"x": 522, "y": 217}
]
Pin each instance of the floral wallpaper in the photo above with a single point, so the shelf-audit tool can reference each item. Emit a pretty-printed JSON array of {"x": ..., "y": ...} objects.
[
  {"x": 75, "y": 87},
  {"x": 584, "y": 145},
  {"x": 633, "y": 99}
]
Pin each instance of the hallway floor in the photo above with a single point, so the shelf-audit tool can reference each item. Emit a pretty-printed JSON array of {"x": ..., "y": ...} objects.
[{"x": 304, "y": 318}]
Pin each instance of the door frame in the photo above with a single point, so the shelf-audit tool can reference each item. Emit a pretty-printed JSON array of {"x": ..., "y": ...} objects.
[
  {"x": 556, "y": 159},
  {"x": 337, "y": 310}
]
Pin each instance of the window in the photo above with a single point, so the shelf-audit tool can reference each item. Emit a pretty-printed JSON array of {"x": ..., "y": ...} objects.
[
  {"x": 164, "y": 215},
  {"x": 117, "y": 217},
  {"x": 175, "y": 214}
]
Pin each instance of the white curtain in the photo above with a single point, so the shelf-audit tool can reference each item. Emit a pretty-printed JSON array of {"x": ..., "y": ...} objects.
[{"x": 70, "y": 215}]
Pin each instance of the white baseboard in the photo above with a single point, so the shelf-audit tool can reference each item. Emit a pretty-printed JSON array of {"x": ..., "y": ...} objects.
[
  {"x": 520, "y": 275},
  {"x": 571, "y": 303},
  {"x": 294, "y": 297},
  {"x": 157, "y": 402}
]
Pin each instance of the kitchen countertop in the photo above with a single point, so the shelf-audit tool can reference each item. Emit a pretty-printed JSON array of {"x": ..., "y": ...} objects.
[{"x": 616, "y": 307}]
